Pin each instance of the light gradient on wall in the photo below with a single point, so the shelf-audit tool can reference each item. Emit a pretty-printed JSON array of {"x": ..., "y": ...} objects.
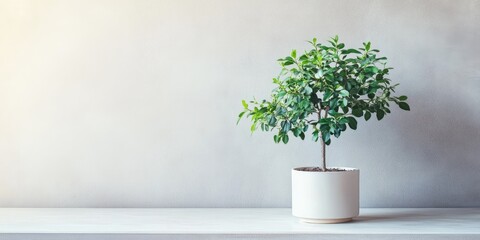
[{"x": 134, "y": 103}]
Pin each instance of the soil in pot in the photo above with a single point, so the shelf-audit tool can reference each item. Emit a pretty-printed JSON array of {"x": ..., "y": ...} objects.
[{"x": 317, "y": 169}]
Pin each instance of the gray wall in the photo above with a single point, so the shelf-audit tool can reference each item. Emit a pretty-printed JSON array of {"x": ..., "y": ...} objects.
[{"x": 134, "y": 103}]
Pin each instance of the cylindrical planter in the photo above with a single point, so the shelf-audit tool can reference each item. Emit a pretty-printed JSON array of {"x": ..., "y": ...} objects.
[{"x": 325, "y": 197}]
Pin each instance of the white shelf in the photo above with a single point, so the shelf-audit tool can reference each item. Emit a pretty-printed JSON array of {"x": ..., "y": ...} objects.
[{"x": 190, "y": 223}]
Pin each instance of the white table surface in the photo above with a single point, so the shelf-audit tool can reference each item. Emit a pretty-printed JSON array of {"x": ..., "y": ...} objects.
[{"x": 233, "y": 221}]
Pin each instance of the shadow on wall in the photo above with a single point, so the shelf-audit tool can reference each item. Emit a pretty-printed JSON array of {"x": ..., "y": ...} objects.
[{"x": 443, "y": 133}]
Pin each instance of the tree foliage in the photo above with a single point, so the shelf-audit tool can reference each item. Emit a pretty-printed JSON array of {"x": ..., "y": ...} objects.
[{"x": 324, "y": 91}]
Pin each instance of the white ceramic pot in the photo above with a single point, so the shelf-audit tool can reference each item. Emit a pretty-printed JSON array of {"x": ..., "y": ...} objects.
[{"x": 325, "y": 197}]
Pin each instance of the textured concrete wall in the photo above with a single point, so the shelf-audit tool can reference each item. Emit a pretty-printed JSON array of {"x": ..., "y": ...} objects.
[{"x": 134, "y": 103}]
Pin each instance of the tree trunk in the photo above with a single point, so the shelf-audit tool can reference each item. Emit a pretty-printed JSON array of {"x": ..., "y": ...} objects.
[
  {"x": 324, "y": 149},
  {"x": 324, "y": 159}
]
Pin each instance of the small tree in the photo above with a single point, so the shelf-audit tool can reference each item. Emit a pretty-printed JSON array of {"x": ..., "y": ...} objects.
[{"x": 324, "y": 90}]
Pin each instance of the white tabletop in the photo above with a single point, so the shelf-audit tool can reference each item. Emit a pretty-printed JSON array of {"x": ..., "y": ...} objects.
[{"x": 233, "y": 221}]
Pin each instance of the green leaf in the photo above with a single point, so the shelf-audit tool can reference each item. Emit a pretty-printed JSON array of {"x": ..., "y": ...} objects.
[
  {"x": 340, "y": 46},
  {"x": 380, "y": 114},
  {"x": 244, "y": 103},
  {"x": 402, "y": 98},
  {"x": 325, "y": 121},
  {"x": 372, "y": 69},
  {"x": 344, "y": 120},
  {"x": 404, "y": 106},
  {"x": 272, "y": 121},
  {"x": 276, "y": 138},
  {"x": 285, "y": 126},
  {"x": 327, "y": 95},
  {"x": 325, "y": 128},
  {"x": 367, "y": 46},
  {"x": 367, "y": 115},
  {"x": 240, "y": 117},
  {"x": 285, "y": 138},
  {"x": 344, "y": 93},
  {"x": 296, "y": 132},
  {"x": 325, "y": 136},
  {"x": 315, "y": 135},
  {"x": 337, "y": 133},
  {"x": 281, "y": 94},
  {"x": 319, "y": 74},
  {"x": 349, "y": 51},
  {"x": 294, "y": 54},
  {"x": 352, "y": 123},
  {"x": 357, "y": 112},
  {"x": 302, "y": 135},
  {"x": 334, "y": 113}
]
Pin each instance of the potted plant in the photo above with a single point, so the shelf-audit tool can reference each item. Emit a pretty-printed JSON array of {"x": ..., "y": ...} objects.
[{"x": 322, "y": 92}]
